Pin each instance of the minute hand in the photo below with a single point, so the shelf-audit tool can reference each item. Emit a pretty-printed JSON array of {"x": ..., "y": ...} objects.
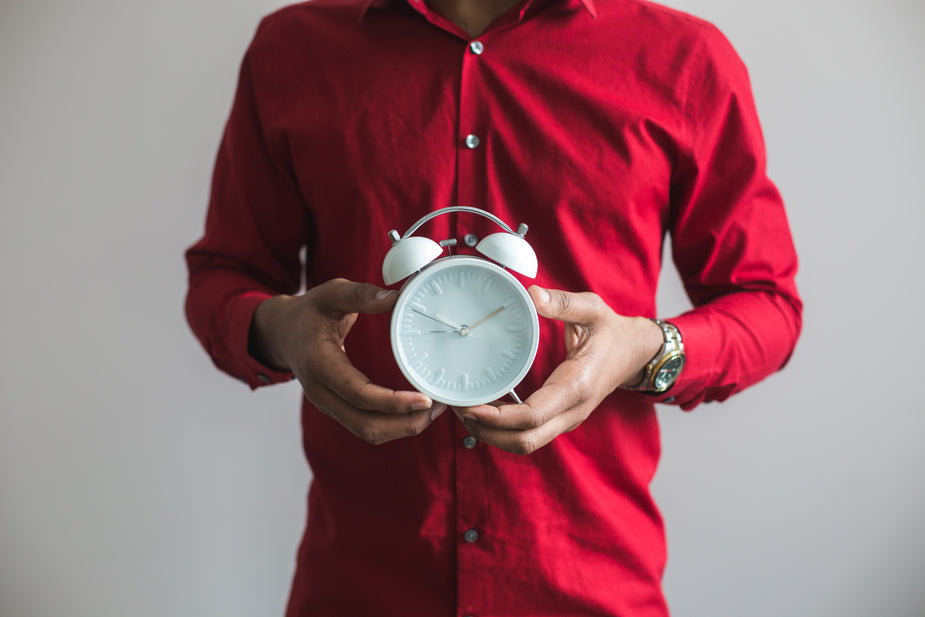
[
  {"x": 486, "y": 318},
  {"x": 439, "y": 319}
]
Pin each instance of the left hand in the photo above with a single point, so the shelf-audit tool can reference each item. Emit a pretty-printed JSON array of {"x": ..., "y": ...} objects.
[{"x": 604, "y": 351}]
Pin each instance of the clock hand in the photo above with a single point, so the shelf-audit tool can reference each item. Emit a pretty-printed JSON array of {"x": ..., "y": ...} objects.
[
  {"x": 440, "y": 319},
  {"x": 447, "y": 321},
  {"x": 486, "y": 318},
  {"x": 463, "y": 332}
]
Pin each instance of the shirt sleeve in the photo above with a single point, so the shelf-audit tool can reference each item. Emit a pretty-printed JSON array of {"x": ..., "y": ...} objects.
[
  {"x": 731, "y": 241},
  {"x": 255, "y": 228}
]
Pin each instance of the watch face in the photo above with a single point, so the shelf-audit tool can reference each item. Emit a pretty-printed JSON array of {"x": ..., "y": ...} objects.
[
  {"x": 668, "y": 373},
  {"x": 464, "y": 331}
]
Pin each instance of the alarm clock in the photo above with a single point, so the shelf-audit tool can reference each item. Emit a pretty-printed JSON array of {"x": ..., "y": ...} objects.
[{"x": 464, "y": 330}]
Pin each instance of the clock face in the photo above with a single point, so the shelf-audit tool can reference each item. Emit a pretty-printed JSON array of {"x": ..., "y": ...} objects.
[{"x": 464, "y": 331}]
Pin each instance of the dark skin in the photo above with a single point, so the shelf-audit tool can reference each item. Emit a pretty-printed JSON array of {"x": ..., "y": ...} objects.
[
  {"x": 306, "y": 335},
  {"x": 604, "y": 350},
  {"x": 473, "y": 16}
]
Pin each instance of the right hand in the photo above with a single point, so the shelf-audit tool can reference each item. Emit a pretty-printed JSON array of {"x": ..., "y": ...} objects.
[{"x": 305, "y": 335}]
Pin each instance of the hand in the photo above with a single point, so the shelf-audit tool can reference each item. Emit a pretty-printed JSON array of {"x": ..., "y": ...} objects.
[
  {"x": 604, "y": 351},
  {"x": 305, "y": 335}
]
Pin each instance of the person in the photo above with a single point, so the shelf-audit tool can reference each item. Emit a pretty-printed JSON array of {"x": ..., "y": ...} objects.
[{"x": 610, "y": 127}]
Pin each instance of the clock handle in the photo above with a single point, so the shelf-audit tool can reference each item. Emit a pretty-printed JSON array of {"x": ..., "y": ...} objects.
[
  {"x": 468, "y": 209},
  {"x": 515, "y": 397}
]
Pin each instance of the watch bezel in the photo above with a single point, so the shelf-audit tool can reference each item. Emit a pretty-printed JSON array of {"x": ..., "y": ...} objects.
[{"x": 660, "y": 370}]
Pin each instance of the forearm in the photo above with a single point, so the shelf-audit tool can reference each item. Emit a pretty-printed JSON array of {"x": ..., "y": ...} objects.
[
  {"x": 733, "y": 342},
  {"x": 220, "y": 305}
]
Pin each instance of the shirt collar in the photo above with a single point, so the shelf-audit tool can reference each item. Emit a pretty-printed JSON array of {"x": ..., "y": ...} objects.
[
  {"x": 590, "y": 6},
  {"x": 368, "y": 4}
]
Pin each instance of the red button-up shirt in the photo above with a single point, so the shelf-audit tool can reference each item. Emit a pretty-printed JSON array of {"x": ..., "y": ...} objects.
[{"x": 607, "y": 126}]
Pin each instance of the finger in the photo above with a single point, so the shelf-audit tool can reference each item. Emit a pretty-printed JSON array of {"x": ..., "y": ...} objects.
[
  {"x": 580, "y": 308},
  {"x": 343, "y": 296},
  {"x": 333, "y": 370},
  {"x": 561, "y": 392},
  {"x": 523, "y": 442},
  {"x": 372, "y": 426}
]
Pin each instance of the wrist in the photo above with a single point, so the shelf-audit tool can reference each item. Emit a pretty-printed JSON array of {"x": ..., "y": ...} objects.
[
  {"x": 270, "y": 330},
  {"x": 661, "y": 372},
  {"x": 649, "y": 339}
]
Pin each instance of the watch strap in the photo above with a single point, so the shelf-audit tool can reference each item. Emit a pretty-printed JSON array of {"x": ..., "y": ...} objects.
[{"x": 672, "y": 347}]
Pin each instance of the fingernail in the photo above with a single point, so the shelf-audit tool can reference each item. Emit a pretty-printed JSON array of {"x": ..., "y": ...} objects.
[
  {"x": 468, "y": 417},
  {"x": 544, "y": 295},
  {"x": 421, "y": 405},
  {"x": 438, "y": 409},
  {"x": 382, "y": 294}
]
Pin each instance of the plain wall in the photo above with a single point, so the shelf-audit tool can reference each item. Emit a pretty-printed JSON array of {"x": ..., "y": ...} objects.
[{"x": 135, "y": 479}]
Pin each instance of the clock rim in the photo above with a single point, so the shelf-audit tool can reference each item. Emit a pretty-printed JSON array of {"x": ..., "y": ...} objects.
[{"x": 404, "y": 296}]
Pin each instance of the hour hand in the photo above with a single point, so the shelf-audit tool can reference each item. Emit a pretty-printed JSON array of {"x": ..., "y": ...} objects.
[{"x": 486, "y": 317}]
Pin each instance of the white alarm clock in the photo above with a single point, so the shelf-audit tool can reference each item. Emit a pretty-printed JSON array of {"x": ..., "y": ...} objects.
[{"x": 464, "y": 330}]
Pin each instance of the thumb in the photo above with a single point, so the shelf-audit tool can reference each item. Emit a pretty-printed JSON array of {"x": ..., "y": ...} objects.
[
  {"x": 349, "y": 297},
  {"x": 579, "y": 308}
]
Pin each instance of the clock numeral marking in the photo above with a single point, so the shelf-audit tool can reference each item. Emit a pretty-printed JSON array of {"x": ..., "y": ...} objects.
[
  {"x": 489, "y": 283},
  {"x": 418, "y": 307},
  {"x": 491, "y": 374},
  {"x": 464, "y": 381},
  {"x": 510, "y": 354},
  {"x": 437, "y": 289},
  {"x": 462, "y": 279},
  {"x": 411, "y": 332},
  {"x": 514, "y": 329},
  {"x": 440, "y": 374}
]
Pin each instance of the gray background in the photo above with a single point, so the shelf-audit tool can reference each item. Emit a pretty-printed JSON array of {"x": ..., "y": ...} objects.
[{"x": 137, "y": 480}]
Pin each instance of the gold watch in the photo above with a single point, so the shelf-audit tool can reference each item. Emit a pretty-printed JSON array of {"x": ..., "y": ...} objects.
[{"x": 663, "y": 370}]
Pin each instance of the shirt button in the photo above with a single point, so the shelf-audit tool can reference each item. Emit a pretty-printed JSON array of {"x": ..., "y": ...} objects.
[
  {"x": 477, "y": 47},
  {"x": 470, "y": 442},
  {"x": 471, "y": 536},
  {"x": 472, "y": 141},
  {"x": 470, "y": 240}
]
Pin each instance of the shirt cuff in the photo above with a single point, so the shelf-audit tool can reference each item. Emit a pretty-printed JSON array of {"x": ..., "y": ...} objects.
[
  {"x": 248, "y": 369},
  {"x": 700, "y": 350}
]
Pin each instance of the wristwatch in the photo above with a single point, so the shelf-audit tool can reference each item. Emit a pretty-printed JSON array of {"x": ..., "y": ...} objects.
[{"x": 663, "y": 370}]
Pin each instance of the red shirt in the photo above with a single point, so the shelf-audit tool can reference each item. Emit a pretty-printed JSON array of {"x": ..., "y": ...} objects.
[{"x": 602, "y": 124}]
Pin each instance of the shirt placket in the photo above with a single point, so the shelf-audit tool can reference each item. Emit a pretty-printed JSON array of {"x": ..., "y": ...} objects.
[
  {"x": 473, "y": 132},
  {"x": 473, "y": 536}
]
